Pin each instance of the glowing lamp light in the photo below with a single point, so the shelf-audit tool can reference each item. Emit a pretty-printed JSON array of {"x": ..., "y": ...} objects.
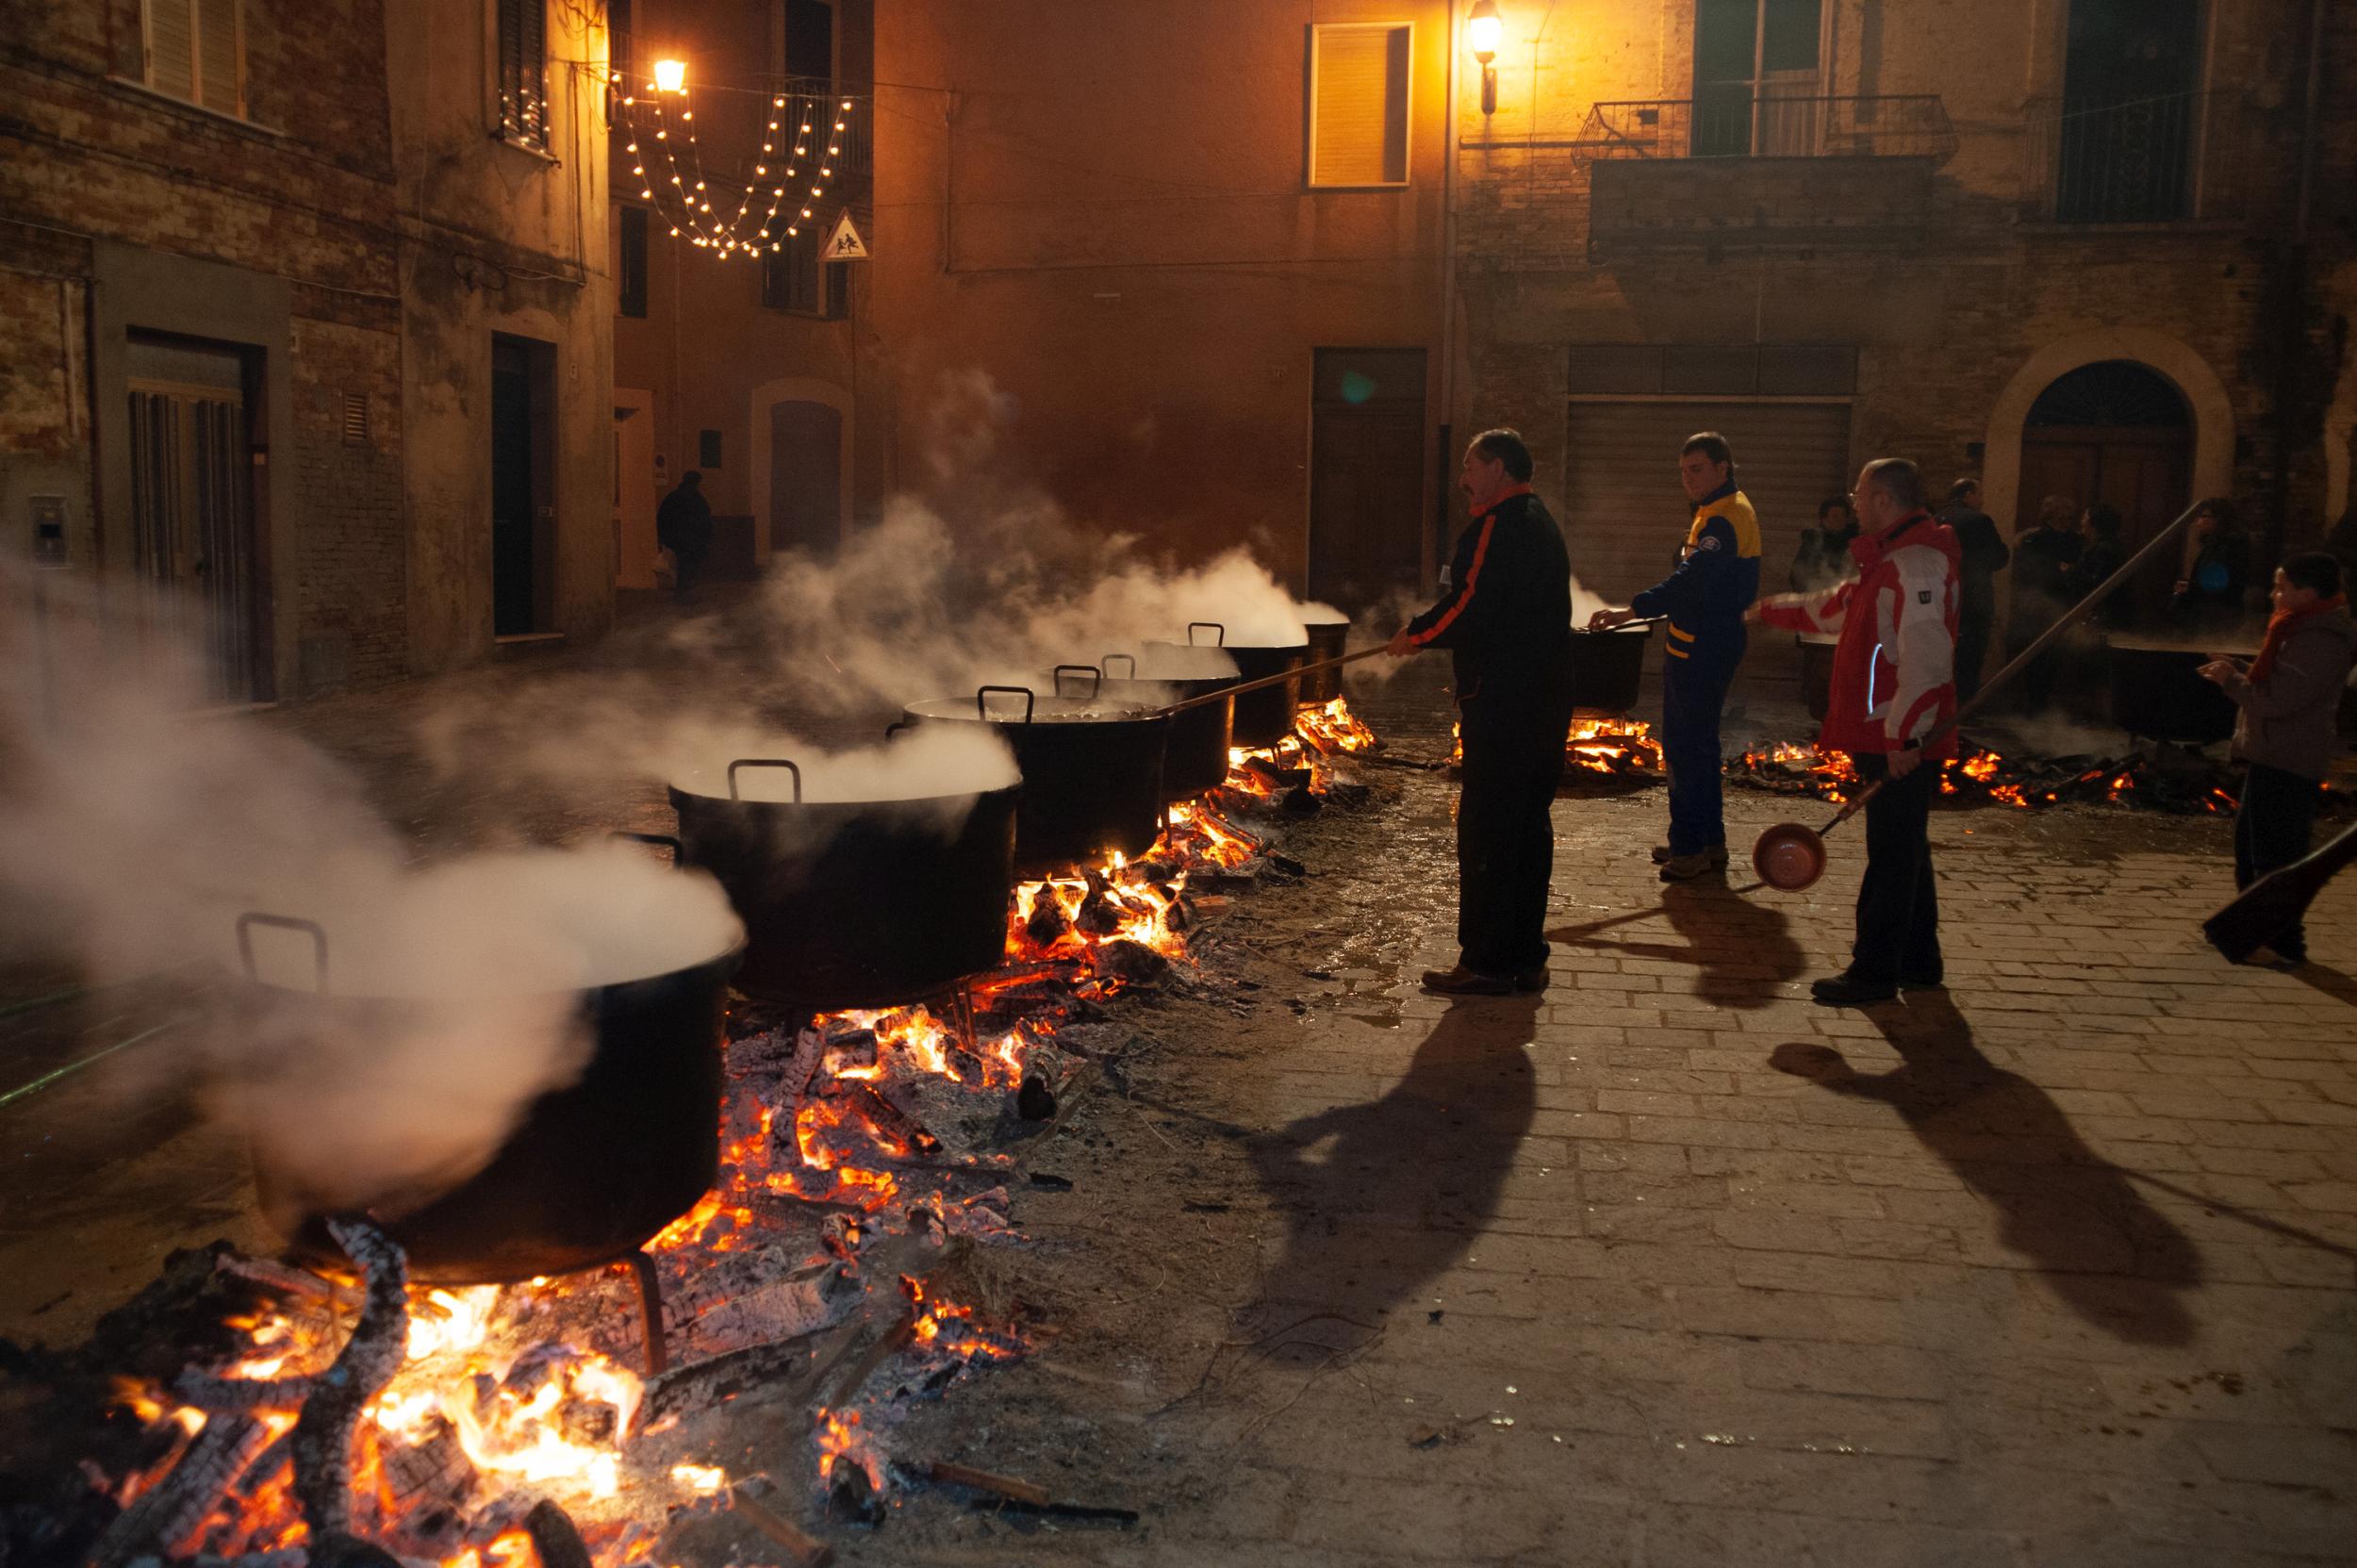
[
  {"x": 671, "y": 76},
  {"x": 1484, "y": 29}
]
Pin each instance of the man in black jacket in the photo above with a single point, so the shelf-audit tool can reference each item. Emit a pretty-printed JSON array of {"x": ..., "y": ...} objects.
[
  {"x": 1507, "y": 622},
  {"x": 1984, "y": 557}
]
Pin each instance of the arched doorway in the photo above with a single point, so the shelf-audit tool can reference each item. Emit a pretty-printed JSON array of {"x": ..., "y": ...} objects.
[
  {"x": 801, "y": 466},
  {"x": 805, "y": 477},
  {"x": 2114, "y": 431}
]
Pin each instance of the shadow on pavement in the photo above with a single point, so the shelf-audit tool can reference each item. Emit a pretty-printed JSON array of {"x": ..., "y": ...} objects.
[
  {"x": 1744, "y": 950},
  {"x": 1382, "y": 1197},
  {"x": 2337, "y": 983},
  {"x": 2117, "y": 1261}
]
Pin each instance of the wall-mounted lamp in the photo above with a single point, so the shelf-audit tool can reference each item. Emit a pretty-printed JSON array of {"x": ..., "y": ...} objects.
[
  {"x": 671, "y": 76},
  {"x": 1483, "y": 27}
]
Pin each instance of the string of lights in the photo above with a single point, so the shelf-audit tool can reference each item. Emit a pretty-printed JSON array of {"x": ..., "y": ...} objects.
[{"x": 681, "y": 195}]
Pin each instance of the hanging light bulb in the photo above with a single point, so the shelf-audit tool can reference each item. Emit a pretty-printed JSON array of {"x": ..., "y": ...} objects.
[{"x": 669, "y": 76}]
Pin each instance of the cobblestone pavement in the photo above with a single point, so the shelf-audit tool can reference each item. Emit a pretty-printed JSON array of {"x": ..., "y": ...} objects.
[
  {"x": 1673, "y": 1266},
  {"x": 1665, "y": 1266}
]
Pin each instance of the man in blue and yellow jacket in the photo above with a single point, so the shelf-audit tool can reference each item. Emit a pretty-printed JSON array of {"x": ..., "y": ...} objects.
[{"x": 1702, "y": 602}]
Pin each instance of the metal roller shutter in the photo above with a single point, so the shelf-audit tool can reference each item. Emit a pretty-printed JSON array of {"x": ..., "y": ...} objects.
[{"x": 1625, "y": 515}]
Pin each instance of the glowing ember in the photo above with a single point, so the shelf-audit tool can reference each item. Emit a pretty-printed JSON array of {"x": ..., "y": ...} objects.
[
  {"x": 1613, "y": 746},
  {"x": 1332, "y": 727}
]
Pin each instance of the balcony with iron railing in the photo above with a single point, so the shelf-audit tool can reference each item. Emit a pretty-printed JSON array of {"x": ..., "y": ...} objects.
[
  {"x": 2171, "y": 159},
  {"x": 1734, "y": 169},
  {"x": 1738, "y": 124}
]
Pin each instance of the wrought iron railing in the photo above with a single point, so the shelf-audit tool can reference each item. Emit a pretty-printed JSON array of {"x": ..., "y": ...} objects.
[
  {"x": 1736, "y": 123},
  {"x": 2152, "y": 160}
]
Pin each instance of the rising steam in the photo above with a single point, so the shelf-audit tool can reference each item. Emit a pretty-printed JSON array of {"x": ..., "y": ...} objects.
[{"x": 135, "y": 831}]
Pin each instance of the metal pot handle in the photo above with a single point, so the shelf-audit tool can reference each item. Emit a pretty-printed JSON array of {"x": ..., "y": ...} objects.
[
  {"x": 1213, "y": 625},
  {"x": 1096, "y": 678},
  {"x": 764, "y": 762},
  {"x": 1030, "y": 700},
  {"x": 663, "y": 840},
  {"x": 898, "y": 725},
  {"x": 318, "y": 934},
  {"x": 1106, "y": 664}
]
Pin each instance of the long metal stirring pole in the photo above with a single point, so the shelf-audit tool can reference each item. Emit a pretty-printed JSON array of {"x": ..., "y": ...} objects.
[{"x": 1272, "y": 680}]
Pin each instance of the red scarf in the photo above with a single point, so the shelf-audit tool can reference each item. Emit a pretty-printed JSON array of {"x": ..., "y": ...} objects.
[{"x": 2280, "y": 630}]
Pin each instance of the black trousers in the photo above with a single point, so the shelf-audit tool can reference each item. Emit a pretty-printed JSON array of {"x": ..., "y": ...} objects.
[
  {"x": 1898, "y": 900},
  {"x": 1971, "y": 653},
  {"x": 2271, "y": 831},
  {"x": 1505, "y": 830}
]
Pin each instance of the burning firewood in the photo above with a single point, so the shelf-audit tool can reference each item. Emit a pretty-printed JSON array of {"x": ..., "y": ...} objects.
[
  {"x": 166, "y": 1518},
  {"x": 322, "y": 1434},
  {"x": 807, "y": 1550}
]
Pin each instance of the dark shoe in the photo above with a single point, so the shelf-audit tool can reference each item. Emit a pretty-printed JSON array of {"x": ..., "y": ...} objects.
[
  {"x": 1532, "y": 979},
  {"x": 1687, "y": 868},
  {"x": 1461, "y": 982},
  {"x": 1847, "y": 990},
  {"x": 1663, "y": 854}
]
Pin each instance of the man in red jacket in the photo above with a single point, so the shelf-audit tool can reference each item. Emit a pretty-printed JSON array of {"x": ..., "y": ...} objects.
[{"x": 1893, "y": 684}]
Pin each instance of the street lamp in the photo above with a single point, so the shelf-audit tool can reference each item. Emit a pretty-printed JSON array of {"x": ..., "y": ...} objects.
[
  {"x": 1483, "y": 27},
  {"x": 671, "y": 76}
]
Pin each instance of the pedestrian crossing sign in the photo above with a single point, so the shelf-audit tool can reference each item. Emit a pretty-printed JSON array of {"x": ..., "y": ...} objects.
[{"x": 845, "y": 243}]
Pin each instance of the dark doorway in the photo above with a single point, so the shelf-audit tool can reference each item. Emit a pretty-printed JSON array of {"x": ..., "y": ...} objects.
[
  {"x": 805, "y": 476},
  {"x": 523, "y": 516},
  {"x": 1366, "y": 474},
  {"x": 2117, "y": 432},
  {"x": 193, "y": 534},
  {"x": 2130, "y": 111}
]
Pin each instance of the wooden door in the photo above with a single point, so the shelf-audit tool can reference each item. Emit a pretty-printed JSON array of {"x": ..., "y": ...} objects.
[
  {"x": 193, "y": 544},
  {"x": 805, "y": 476}
]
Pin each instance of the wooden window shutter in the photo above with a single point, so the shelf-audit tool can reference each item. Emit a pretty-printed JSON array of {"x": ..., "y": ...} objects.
[
  {"x": 1359, "y": 104},
  {"x": 221, "y": 55},
  {"x": 171, "y": 48},
  {"x": 523, "y": 71}
]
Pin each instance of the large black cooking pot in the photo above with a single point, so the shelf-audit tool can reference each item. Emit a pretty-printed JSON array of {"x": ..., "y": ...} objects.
[
  {"x": 1606, "y": 669},
  {"x": 591, "y": 1171},
  {"x": 852, "y": 903},
  {"x": 1329, "y": 639},
  {"x": 1264, "y": 717},
  {"x": 1092, "y": 772},
  {"x": 1194, "y": 758},
  {"x": 2157, "y": 692}
]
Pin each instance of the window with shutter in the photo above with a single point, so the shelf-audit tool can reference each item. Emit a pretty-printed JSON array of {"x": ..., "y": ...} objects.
[
  {"x": 523, "y": 71},
  {"x": 196, "y": 51},
  {"x": 794, "y": 279},
  {"x": 1358, "y": 103}
]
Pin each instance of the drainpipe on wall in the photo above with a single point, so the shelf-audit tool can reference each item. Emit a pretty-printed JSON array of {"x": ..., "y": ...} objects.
[
  {"x": 1448, "y": 305},
  {"x": 2292, "y": 294}
]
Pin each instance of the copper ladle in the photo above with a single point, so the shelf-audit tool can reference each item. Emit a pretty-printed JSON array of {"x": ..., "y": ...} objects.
[{"x": 1791, "y": 856}]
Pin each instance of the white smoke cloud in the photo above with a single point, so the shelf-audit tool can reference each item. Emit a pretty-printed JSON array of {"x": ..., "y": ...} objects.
[{"x": 135, "y": 831}]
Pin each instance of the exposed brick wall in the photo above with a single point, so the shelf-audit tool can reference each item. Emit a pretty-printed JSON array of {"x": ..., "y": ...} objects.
[
  {"x": 351, "y": 551},
  {"x": 1947, "y": 281}
]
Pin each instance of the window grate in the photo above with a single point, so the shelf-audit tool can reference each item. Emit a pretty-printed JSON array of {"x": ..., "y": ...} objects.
[{"x": 355, "y": 419}]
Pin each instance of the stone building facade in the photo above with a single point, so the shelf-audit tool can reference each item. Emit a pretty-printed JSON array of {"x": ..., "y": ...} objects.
[
  {"x": 2084, "y": 248},
  {"x": 305, "y": 326}
]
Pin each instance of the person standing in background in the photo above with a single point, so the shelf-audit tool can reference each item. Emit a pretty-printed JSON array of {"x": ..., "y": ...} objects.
[
  {"x": 2100, "y": 555},
  {"x": 1824, "y": 557},
  {"x": 2289, "y": 698},
  {"x": 1704, "y": 602},
  {"x": 2210, "y": 596},
  {"x": 1984, "y": 557},
  {"x": 2042, "y": 559},
  {"x": 683, "y": 525}
]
